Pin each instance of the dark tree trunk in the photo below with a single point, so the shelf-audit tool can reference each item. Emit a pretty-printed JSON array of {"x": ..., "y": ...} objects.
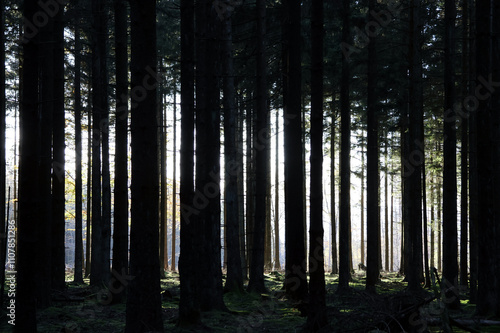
[
  {"x": 295, "y": 265},
  {"x": 277, "y": 264},
  {"x": 427, "y": 283},
  {"x": 78, "y": 277},
  {"x": 43, "y": 261},
  {"x": 362, "y": 199},
  {"x": 97, "y": 260},
  {"x": 450, "y": 241},
  {"x": 464, "y": 151},
  {"x": 120, "y": 231},
  {"x": 29, "y": 190},
  {"x": 162, "y": 145},
  {"x": 316, "y": 319},
  {"x": 174, "y": 185},
  {"x": 261, "y": 141},
  {"x": 413, "y": 165},
  {"x": 143, "y": 298},
  {"x": 473, "y": 176},
  {"x": 241, "y": 195},
  {"x": 58, "y": 163},
  {"x": 208, "y": 65},
  {"x": 250, "y": 185},
  {"x": 188, "y": 306},
  {"x": 386, "y": 204},
  {"x": 372, "y": 176},
  {"x": 233, "y": 170},
  {"x": 345, "y": 163},
  {"x": 335, "y": 265},
  {"x": 89, "y": 193}
]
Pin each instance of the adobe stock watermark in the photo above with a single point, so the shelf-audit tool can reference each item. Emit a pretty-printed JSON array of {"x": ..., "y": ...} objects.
[
  {"x": 48, "y": 9},
  {"x": 11, "y": 273},
  {"x": 372, "y": 28},
  {"x": 482, "y": 91}
]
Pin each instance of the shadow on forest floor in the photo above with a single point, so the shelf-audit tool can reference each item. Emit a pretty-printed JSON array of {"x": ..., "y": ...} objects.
[{"x": 393, "y": 309}]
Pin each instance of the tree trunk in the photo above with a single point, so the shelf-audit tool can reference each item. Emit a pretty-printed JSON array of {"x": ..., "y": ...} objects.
[
  {"x": 416, "y": 147},
  {"x": 233, "y": 170},
  {"x": 250, "y": 186},
  {"x": 88, "y": 239},
  {"x": 241, "y": 195},
  {"x": 345, "y": 164},
  {"x": 295, "y": 277},
  {"x": 386, "y": 203},
  {"x": 162, "y": 132},
  {"x": 277, "y": 264},
  {"x": 450, "y": 242},
  {"x": 372, "y": 174},
  {"x": 261, "y": 141},
  {"x": 174, "y": 186},
  {"x": 96, "y": 270},
  {"x": 335, "y": 269},
  {"x": 316, "y": 319},
  {"x": 58, "y": 164},
  {"x": 78, "y": 276},
  {"x": 208, "y": 155},
  {"x": 188, "y": 306},
  {"x": 143, "y": 298},
  {"x": 464, "y": 154},
  {"x": 362, "y": 200},
  {"x": 29, "y": 190},
  {"x": 120, "y": 227}
]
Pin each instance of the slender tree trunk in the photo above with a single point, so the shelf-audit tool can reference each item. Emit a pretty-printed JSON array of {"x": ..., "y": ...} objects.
[
  {"x": 362, "y": 201},
  {"x": 295, "y": 276},
  {"x": 450, "y": 241},
  {"x": 317, "y": 319},
  {"x": 58, "y": 164},
  {"x": 386, "y": 203},
  {"x": 162, "y": 131},
  {"x": 425, "y": 227},
  {"x": 29, "y": 195},
  {"x": 96, "y": 273},
  {"x": 372, "y": 177},
  {"x": 439, "y": 226},
  {"x": 433, "y": 225},
  {"x": 391, "y": 266},
  {"x": 277, "y": 264},
  {"x": 143, "y": 298},
  {"x": 250, "y": 186},
  {"x": 88, "y": 236},
  {"x": 189, "y": 313},
  {"x": 335, "y": 266},
  {"x": 345, "y": 164},
  {"x": 120, "y": 218},
  {"x": 174, "y": 186},
  {"x": 241, "y": 195},
  {"x": 233, "y": 170},
  {"x": 416, "y": 145},
  {"x": 473, "y": 175},
  {"x": 78, "y": 277},
  {"x": 43, "y": 256},
  {"x": 464, "y": 154},
  {"x": 256, "y": 282}
]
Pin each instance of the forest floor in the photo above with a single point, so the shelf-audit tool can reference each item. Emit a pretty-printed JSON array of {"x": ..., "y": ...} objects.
[{"x": 392, "y": 309}]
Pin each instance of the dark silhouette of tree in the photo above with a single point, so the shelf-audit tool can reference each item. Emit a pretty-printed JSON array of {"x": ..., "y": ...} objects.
[
  {"x": 450, "y": 241},
  {"x": 372, "y": 166},
  {"x": 207, "y": 175},
  {"x": 188, "y": 306},
  {"x": 316, "y": 319},
  {"x": 29, "y": 188},
  {"x": 233, "y": 170},
  {"x": 260, "y": 143},
  {"x": 295, "y": 263},
  {"x": 143, "y": 298},
  {"x": 120, "y": 226},
  {"x": 78, "y": 277},
  {"x": 345, "y": 163},
  {"x": 3, "y": 235}
]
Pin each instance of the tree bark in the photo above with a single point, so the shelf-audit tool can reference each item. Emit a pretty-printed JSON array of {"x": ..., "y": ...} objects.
[
  {"x": 120, "y": 231},
  {"x": 450, "y": 241},
  {"x": 295, "y": 276},
  {"x": 233, "y": 170},
  {"x": 260, "y": 143},
  {"x": 143, "y": 298},
  {"x": 372, "y": 176},
  {"x": 345, "y": 164},
  {"x": 316, "y": 319}
]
